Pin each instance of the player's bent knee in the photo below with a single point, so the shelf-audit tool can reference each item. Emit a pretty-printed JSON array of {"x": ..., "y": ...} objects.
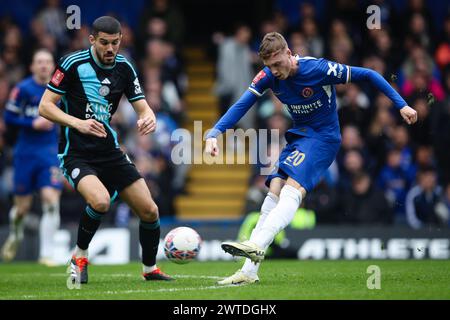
[
  {"x": 150, "y": 213},
  {"x": 100, "y": 204},
  {"x": 49, "y": 196}
]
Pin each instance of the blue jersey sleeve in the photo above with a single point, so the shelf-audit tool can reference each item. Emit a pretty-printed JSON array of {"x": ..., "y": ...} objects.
[
  {"x": 330, "y": 72},
  {"x": 14, "y": 113},
  {"x": 358, "y": 74},
  {"x": 232, "y": 116},
  {"x": 261, "y": 82}
]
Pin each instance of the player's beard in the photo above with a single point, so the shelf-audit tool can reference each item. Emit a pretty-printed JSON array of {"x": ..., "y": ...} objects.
[
  {"x": 113, "y": 56},
  {"x": 103, "y": 60}
]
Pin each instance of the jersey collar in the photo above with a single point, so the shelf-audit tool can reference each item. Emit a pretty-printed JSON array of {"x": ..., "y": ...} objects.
[{"x": 98, "y": 63}]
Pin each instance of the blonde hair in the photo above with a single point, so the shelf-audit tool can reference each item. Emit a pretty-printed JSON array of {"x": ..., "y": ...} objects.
[{"x": 272, "y": 43}]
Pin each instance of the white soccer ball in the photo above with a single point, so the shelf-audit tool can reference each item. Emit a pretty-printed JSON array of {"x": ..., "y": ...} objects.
[{"x": 181, "y": 245}]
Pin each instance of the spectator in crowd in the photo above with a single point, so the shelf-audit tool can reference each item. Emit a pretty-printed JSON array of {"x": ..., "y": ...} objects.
[
  {"x": 255, "y": 194},
  {"x": 53, "y": 19},
  {"x": 161, "y": 64},
  {"x": 379, "y": 133},
  {"x": 443, "y": 207},
  {"x": 352, "y": 140},
  {"x": 11, "y": 54},
  {"x": 421, "y": 75},
  {"x": 80, "y": 40},
  {"x": 298, "y": 44},
  {"x": 365, "y": 204},
  {"x": 352, "y": 165},
  {"x": 424, "y": 156},
  {"x": 401, "y": 141},
  {"x": 173, "y": 18},
  {"x": 324, "y": 201},
  {"x": 441, "y": 131},
  {"x": 235, "y": 71},
  {"x": 340, "y": 44},
  {"x": 418, "y": 30},
  {"x": 353, "y": 108},
  {"x": 314, "y": 41},
  {"x": 442, "y": 54},
  {"x": 421, "y": 200},
  {"x": 381, "y": 44},
  {"x": 421, "y": 133},
  {"x": 396, "y": 181},
  {"x": 414, "y": 7}
]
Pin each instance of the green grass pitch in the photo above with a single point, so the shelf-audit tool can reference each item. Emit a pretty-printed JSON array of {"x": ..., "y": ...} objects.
[{"x": 280, "y": 279}]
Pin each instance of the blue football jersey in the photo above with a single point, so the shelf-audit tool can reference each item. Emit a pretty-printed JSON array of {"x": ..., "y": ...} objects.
[
  {"x": 21, "y": 109},
  {"x": 309, "y": 95}
]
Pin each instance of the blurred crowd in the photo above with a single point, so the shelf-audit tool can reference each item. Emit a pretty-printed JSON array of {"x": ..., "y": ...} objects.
[{"x": 386, "y": 172}]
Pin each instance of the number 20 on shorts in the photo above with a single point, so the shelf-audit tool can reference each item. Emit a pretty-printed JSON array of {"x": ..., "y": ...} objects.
[{"x": 295, "y": 158}]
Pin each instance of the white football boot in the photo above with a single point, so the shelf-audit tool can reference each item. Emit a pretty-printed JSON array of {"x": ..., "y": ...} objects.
[
  {"x": 245, "y": 249},
  {"x": 15, "y": 237},
  {"x": 9, "y": 249},
  {"x": 239, "y": 278}
]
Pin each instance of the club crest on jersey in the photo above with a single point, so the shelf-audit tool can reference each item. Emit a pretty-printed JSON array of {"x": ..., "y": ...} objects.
[
  {"x": 307, "y": 92},
  {"x": 57, "y": 77},
  {"x": 258, "y": 77},
  {"x": 104, "y": 90},
  {"x": 75, "y": 173}
]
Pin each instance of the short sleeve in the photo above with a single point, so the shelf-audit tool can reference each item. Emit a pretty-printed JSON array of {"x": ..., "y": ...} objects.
[
  {"x": 261, "y": 82},
  {"x": 331, "y": 72},
  {"x": 133, "y": 90},
  {"x": 61, "y": 79}
]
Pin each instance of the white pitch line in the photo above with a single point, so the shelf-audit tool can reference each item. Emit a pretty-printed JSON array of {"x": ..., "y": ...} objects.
[
  {"x": 181, "y": 276},
  {"x": 109, "y": 292},
  {"x": 197, "y": 277},
  {"x": 169, "y": 289},
  {"x": 187, "y": 276}
]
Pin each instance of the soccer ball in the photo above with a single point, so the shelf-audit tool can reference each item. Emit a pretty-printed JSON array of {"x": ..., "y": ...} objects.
[{"x": 181, "y": 245}]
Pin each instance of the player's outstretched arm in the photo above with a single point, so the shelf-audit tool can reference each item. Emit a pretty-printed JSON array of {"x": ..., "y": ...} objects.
[
  {"x": 364, "y": 74},
  {"x": 147, "y": 119},
  {"x": 48, "y": 109},
  {"x": 228, "y": 120}
]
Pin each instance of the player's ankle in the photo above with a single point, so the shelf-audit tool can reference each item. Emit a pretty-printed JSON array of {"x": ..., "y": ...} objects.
[
  {"x": 147, "y": 269},
  {"x": 80, "y": 253}
]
